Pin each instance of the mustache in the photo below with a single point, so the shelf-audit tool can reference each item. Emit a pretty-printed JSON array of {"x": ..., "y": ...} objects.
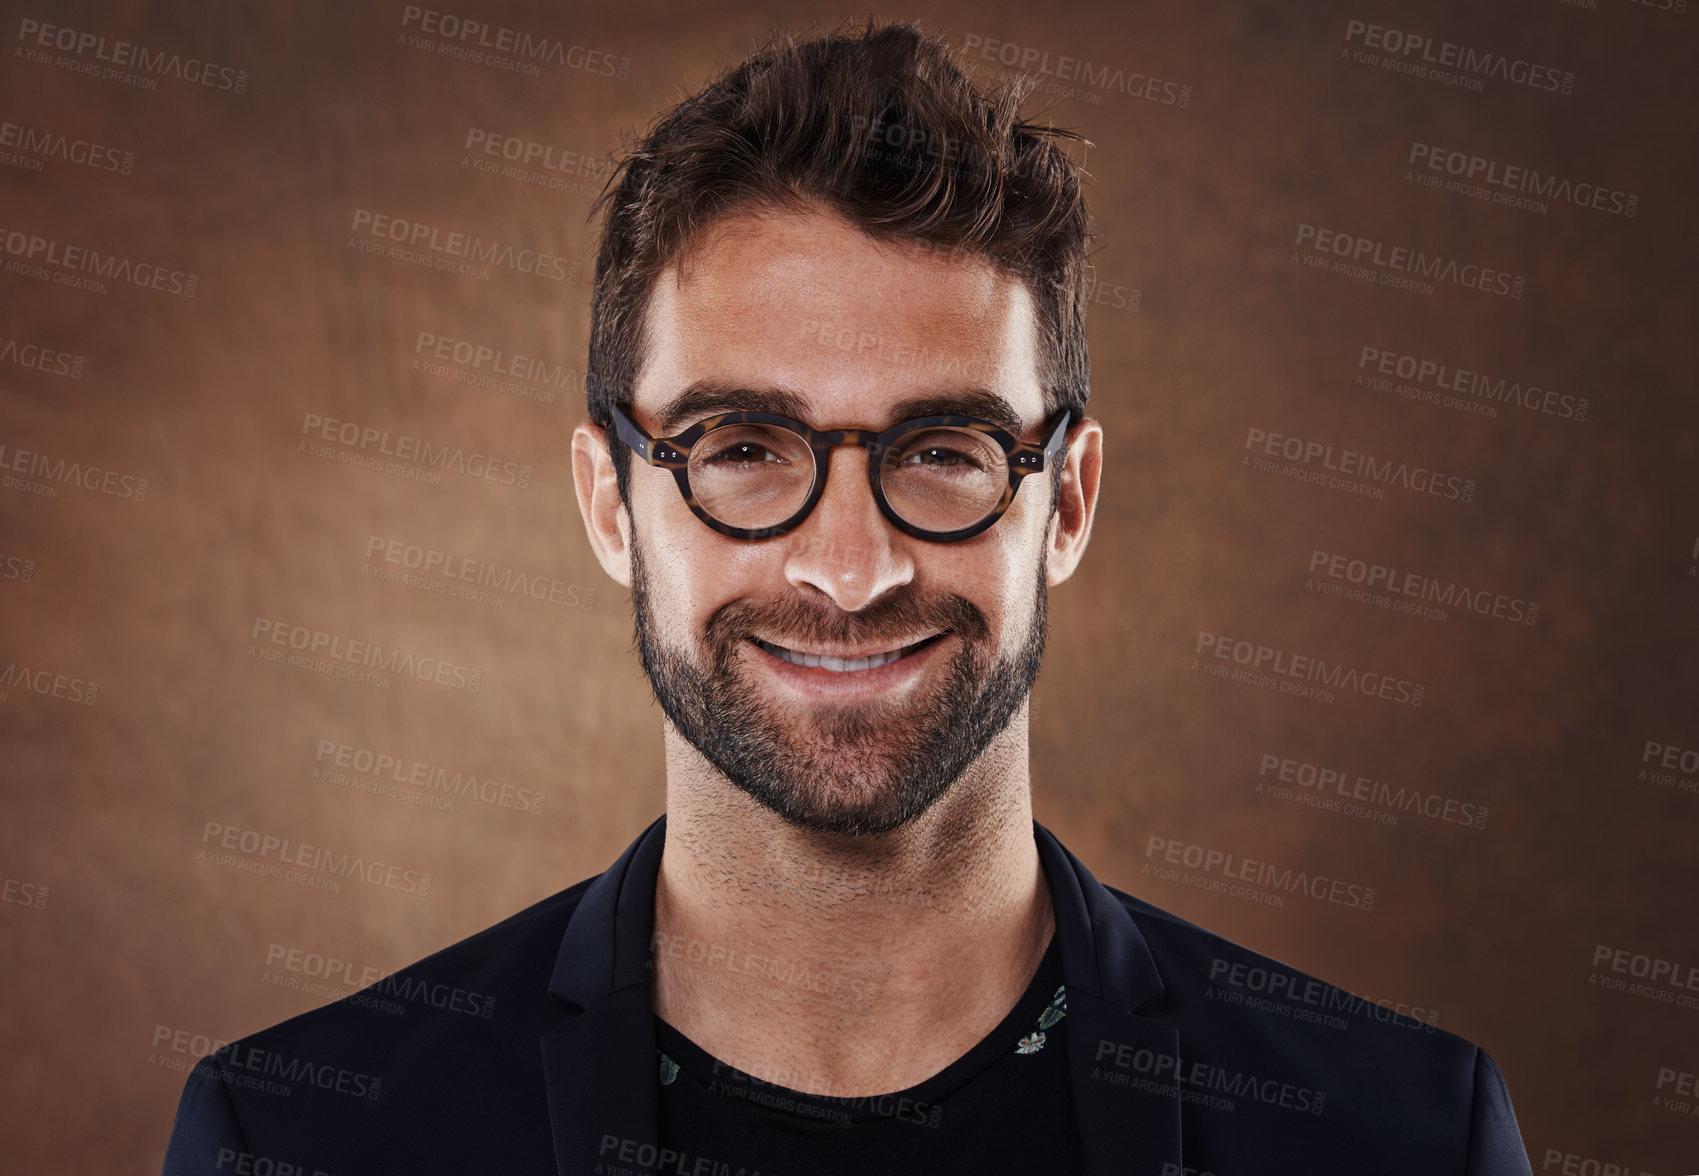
[{"x": 892, "y": 619}]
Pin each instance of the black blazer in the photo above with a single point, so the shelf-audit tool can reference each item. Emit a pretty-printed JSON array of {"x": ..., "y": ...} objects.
[{"x": 529, "y": 1050}]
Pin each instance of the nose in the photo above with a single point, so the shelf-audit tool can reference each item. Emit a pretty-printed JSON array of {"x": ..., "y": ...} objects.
[{"x": 846, "y": 548}]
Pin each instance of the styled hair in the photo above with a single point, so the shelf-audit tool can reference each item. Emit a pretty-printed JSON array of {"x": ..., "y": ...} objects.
[{"x": 879, "y": 125}]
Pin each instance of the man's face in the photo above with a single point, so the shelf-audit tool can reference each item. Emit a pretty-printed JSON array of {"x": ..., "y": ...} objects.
[{"x": 810, "y": 306}]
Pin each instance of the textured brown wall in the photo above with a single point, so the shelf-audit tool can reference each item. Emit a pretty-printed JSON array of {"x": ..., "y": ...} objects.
[{"x": 123, "y": 927}]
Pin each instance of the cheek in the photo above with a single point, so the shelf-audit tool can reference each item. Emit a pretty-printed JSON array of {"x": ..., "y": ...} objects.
[
  {"x": 661, "y": 522},
  {"x": 683, "y": 593},
  {"x": 1000, "y": 579},
  {"x": 1020, "y": 588},
  {"x": 693, "y": 571}
]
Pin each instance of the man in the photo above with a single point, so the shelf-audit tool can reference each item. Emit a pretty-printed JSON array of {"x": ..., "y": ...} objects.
[{"x": 837, "y": 331}]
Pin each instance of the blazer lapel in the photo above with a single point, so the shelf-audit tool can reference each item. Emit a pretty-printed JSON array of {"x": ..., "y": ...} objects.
[
  {"x": 600, "y": 1063},
  {"x": 1125, "y": 1090},
  {"x": 1126, "y": 1093},
  {"x": 601, "y": 1073}
]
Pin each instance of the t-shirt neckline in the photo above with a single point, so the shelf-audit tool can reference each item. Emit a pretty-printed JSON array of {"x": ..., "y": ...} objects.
[{"x": 1043, "y": 1003}]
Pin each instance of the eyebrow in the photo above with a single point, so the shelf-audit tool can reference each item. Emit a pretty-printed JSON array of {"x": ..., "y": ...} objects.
[{"x": 706, "y": 398}]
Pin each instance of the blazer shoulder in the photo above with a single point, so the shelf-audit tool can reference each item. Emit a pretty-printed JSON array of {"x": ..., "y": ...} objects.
[
  {"x": 1212, "y": 980},
  {"x": 384, "y": 1078},
  {"x": 506, "y": 965},
  {"x": 1376, "y": 1070}
]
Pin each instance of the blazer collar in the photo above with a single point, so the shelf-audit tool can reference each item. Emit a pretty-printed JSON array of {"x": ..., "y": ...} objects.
[
  {"x": 601, "y": 1065},
  {"x": 606, "y": 945},
  {"x": 1109, "y": 972},
  {"x": 1103, "y": 950}
]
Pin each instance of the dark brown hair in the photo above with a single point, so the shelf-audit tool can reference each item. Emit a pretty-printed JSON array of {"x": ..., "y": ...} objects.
[{"x": 877, "y": 124}]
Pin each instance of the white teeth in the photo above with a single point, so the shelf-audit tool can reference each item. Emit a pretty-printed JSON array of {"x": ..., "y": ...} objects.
[{"x": 836, "y": 664}]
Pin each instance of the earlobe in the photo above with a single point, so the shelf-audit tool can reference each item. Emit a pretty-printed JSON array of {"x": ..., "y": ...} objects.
[{"x": 607, "y": 523}]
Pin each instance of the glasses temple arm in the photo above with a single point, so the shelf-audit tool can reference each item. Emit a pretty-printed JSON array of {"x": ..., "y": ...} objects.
[
  {"x": 1058, "y": 437},
  {"x": 631, "y": 433}
]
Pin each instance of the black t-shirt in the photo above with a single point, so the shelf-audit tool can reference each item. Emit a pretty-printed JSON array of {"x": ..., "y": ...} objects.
[{"x": 1005, "y": 1106}]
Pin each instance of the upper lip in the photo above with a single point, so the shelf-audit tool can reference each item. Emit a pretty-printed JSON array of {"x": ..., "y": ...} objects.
[{"x": 851, "y": 654}]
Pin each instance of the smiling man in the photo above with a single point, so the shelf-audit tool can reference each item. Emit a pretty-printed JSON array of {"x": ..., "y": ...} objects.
[
  {"x": 845, "y": 701},
  {"x": 838, "y": 451}
]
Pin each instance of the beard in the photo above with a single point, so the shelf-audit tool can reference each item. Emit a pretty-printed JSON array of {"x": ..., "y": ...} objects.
[{"x": 856, "y": 769}]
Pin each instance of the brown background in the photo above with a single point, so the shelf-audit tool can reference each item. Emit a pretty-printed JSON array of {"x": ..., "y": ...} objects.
[{"x": 106, "y": 804}]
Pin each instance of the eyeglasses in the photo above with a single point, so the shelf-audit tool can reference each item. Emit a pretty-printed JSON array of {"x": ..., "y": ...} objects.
[{"x": 754, "y": 475}]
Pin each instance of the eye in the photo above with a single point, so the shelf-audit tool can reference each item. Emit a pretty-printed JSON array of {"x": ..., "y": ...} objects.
[
  {"x": 939, "y": 455},
  {"x": 742, "y": 453},
  {"x": 946, "y": 451}
]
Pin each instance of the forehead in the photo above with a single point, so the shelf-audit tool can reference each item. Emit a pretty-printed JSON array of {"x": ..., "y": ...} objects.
[{"x": 849, "y": 327}]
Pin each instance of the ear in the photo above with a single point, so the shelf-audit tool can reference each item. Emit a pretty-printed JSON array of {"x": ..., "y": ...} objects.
[
  {"x": 1070, "y": 527},
  {"x": 606, "y": 520}
]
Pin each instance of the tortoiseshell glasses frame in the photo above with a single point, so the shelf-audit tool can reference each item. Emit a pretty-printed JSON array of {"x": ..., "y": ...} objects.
[{"x": 673, "y": 453}]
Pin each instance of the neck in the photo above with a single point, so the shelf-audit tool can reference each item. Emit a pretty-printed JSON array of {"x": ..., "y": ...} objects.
[{"x": 847, "y": 965}]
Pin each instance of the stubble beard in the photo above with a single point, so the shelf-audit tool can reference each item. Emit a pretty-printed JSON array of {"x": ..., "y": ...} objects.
[{"x": 856, "y": 769}]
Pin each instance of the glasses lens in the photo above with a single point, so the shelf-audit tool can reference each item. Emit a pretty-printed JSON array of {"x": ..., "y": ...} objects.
[
  {"x": 943, "y": 479},
  {"x": 754, "y": 476},
  {"x": 751, "y": 476}
]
